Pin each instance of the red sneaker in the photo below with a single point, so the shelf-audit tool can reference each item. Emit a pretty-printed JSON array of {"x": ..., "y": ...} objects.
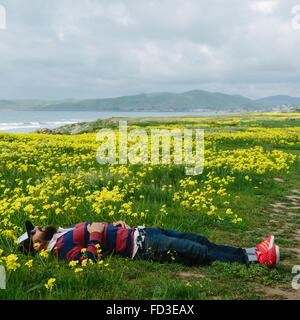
[
  {"x": 266, "y": 245},
  {"x": 271, "y": 257}
]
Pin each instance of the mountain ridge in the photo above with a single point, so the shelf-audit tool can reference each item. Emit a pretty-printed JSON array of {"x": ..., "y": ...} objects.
[{"x": 156, "y": 101}]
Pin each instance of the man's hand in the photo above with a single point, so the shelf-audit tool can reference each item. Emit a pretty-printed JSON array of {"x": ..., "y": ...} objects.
[
  {"x": 96, "y": 227},
  {"x": 121, "y": 224}
]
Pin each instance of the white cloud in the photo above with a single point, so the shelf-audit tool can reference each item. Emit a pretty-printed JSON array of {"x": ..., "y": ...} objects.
[
  {"x": 266, "y": 7},
  {"x": 61, "y": 36},
  {"x": 118, "y": 13},
  {"x": 2, "y": 17}
]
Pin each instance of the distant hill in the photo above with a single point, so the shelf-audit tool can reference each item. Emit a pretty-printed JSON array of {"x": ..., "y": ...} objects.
[
  {"x": 25, "y": 104},
  {"x": 162, "y": 101},
  {"x": 191, "y": 100},
  {"x": 279, "y": 100}
]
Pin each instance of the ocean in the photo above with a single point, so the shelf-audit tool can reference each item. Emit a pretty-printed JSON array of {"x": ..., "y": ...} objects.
[{"x": 29, "y": 121}]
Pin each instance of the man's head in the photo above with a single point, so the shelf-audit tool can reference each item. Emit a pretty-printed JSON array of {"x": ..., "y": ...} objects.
[
  {"x": 41, "y": 237},
  {"x": 35, "y": 238}
]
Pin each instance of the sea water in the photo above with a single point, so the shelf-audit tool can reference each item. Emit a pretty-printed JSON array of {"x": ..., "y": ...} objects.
[{"x": 30, "y": 121}]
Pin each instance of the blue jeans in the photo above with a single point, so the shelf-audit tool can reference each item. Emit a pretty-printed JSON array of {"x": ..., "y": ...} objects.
[{"x": 165, "y": 245}]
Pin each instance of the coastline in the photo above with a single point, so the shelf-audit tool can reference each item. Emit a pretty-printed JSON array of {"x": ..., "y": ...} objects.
[{"x": 26, "y": 121}]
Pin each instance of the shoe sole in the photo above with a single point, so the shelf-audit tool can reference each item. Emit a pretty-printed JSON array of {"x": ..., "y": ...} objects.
[
  {"x": 271, "y": 242},
  {"x": 277, "y": 254}
]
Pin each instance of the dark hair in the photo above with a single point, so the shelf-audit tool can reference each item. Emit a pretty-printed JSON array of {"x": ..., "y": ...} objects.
[{"x": 48, "y": 233}]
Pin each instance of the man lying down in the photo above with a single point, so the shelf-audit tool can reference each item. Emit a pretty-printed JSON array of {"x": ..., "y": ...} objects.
[{"x": 147, "y": 243}]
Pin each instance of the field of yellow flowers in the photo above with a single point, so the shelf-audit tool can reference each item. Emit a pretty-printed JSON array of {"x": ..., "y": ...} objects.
[{"x": 56, "y": 179}]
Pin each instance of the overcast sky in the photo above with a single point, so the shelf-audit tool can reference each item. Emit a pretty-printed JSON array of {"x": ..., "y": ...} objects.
[{"x": 106, "y": 48}]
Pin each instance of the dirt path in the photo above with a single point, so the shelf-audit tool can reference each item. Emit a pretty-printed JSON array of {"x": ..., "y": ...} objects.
[{"x": 286, "y": 216}]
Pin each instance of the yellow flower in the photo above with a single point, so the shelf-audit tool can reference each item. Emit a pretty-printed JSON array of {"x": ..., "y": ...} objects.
[
  {"x": 229, "y": 211},
  {"x": 45, "y": 253},
  {"x": 188, "y": 284},
  {"x": 29, "y": 263},
  {"x": 84, "y": 262},
  {"x": 58, "y": 211},
  {"x": 29, "y": 208},
  {"x": 78, "y": 270},
  {"x": 11, "y": 262},
  {"x": 49, "y": 285},
  {"x": 73, "y": 263},
  {"x": 8, "y": 233},
  {"x": 236, "y": 220}
]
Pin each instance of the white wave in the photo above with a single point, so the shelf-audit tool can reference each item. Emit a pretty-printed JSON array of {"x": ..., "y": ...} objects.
[
  {"x": 33, "y": 125},
  {"x": 59, "y": 123},
  {"x": 11, "y": 123},
  {"x": 3, "y": 129}
]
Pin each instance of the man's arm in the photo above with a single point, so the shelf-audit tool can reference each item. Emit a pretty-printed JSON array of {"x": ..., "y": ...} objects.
[{"x": 96, "y": 238}]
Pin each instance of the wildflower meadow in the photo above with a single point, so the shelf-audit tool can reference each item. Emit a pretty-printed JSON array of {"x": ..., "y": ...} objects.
[{"x": 250, "y": 162}]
